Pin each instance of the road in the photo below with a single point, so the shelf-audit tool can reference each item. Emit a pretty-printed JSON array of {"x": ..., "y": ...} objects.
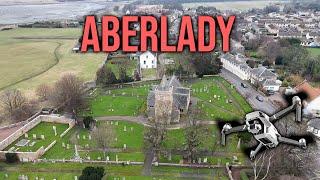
[{"x": 249, "y": 92}]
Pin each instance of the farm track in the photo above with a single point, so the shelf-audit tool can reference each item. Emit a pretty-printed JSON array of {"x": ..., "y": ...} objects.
[{"x": 56, "y": 59}]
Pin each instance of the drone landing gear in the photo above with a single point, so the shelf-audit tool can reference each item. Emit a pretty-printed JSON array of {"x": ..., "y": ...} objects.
[
  {"x": 301, "y": 143},
  {"x": 255, "y": 152},
  {"x": 228, "y": 129}
]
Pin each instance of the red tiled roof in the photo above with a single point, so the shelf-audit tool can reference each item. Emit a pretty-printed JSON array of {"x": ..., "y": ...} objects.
[{"x": 305, "y": 87}]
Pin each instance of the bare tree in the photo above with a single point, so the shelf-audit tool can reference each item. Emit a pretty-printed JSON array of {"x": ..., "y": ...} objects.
[
  {"x": 43, "y": 91},
  {"x": 103, "y": 135},
  {"x": 261, "y": 165},
  {"x": 154, "y": 136},
  {"x": 69, "y": 93},
  {"x": 16, "y": 105},
  {"x": 193, "y": 140}
]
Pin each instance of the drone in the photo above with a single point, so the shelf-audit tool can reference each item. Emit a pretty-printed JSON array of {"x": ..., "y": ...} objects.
[{"x": 261, "y": 126}]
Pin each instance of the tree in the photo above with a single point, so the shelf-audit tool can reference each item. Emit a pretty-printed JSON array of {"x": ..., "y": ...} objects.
[
  {"x": 43, "y": 91},
  {"x": 137, "y": 76},
  {"x": 17, "y": 105},
  {"x": 68, "y": 92},
  {"x": 88, "y": 121},
  {"x": 154, "y": 136},
  {"x": 105, "y": 76},
  {"x": 272, "y": 51},
  {"x": 103, "y": 135},
  {"x": 193, "y": 140},
  {"x": 206, "y": 64},
  {"x": 12, "y": 158},
  {"x": 262, "y": 162},
  {"x": 92, "y": 173}
]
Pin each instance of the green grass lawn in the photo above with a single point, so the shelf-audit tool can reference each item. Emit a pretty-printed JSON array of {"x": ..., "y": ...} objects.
[
  {"x": 66, "y": 171},
  {"x": 314, "y": 51},
  {"x": 44, "y": 128},
  {"x": 116, "y": 106},
  {"x": 149, "y": 73},
  {"x": 26, "y": 58},
  {"x": 219, "y": 99},
  {"x": 115, "y": 62}
]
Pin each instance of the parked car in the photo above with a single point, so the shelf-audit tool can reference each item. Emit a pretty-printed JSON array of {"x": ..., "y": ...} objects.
[
  {"x": 47, "y": 110},
  {"x": 270, "y": 92},
  {"x": 259, "y": 98},
  {"x": 244, "y": 85}
]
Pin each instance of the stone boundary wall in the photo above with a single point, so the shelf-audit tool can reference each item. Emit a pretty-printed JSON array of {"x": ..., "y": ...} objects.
[
  {"x": 20, "y": 123},
  {"x": 30, "y": 156}
]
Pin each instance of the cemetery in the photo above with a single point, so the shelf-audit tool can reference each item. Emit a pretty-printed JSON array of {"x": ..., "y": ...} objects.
[
  {"x": 36, "y": 137},
  {"x": 64, "y": 141},
  {"x": 216, "y": 97}
]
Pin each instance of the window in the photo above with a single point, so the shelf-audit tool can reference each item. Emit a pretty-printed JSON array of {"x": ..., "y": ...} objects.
[
  {"x": 152, "y": 62},
  {"x": 315, "y": 131},
  {"x": 144, "y": 62}
]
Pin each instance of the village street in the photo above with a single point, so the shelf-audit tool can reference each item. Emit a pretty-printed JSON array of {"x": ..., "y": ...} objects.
[{"x": 249, "y": 93}]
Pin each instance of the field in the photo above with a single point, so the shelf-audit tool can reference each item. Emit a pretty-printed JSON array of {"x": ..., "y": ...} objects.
[
  {"x": 35, "y": 56},
  {"x": 235, "y": 5},
  {"x": 314, "y": 51}
]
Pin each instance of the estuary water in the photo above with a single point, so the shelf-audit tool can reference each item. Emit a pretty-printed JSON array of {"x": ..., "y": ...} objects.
[{"x": 14, "y": 14}]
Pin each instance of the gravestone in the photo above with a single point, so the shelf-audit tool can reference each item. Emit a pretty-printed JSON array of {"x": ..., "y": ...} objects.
[
  {"x": 107, "y": 158},
  {"x": 239, "y": 143},
  {"x": 116, "y": 139},
  {"x": 34, "y": 136},
  {"x": 75, "y": 177},
  {"x": 63, "y": 145},
  {"x": 26, "y": 135},
  {"x": 78, "y": 136},
  {"x": 89, "y": 137},
  {"x": 116, "y": 123},
  {"x": 131, "y": 128},
  {"x": 124, "y": 146},
  {"x": 68, "y": 146},
  {"x": 205, "y": 160},
  {"x": 84, "y": 137},
  {"x": 54, "y": 130},
  {"x": 42, "y": 137},
  {"x": 116, "y": 158},
  {"x": 125, "y": 128}
]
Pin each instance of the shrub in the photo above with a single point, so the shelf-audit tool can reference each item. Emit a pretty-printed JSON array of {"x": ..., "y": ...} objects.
[
  {"x": 12, "y": 158},
  {"x": 87, "y": 121},
  {"x": 92, "y": 173}
]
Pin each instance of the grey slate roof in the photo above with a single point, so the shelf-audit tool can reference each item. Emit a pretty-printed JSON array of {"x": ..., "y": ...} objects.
[
  {"x": 180, "y": 94},
  {"x": 262, "y": 72}
]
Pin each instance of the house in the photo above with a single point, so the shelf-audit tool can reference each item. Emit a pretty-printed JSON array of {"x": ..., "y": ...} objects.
[
  {"x": 260, "y": 74},
  {"x": 168, "y": 100},
  {"x": 271, "y": 85},
  {"x": 237, "y": 65},
  {"x": 312, "y": 103},
  {"x": 314, "y": 127},
  {"x": 147, "y": 60}
]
